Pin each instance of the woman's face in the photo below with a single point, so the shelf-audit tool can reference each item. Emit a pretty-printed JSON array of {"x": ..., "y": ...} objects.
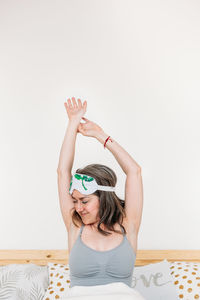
[{"x": 87, "y": 207}]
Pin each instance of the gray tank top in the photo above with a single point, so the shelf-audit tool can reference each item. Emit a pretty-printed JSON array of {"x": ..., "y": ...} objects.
[{"x": 91, "y": 267}]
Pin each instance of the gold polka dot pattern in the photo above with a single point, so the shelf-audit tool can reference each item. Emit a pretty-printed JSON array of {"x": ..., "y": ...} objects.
[
  {"x": 59, "y": 281},
  {"x": 186, "y": 277}
]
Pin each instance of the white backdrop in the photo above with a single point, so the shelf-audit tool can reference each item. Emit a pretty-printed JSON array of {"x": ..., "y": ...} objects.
[{"x": 137, "y": 64}]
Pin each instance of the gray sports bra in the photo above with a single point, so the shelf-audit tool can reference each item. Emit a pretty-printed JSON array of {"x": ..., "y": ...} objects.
[{"x": 91, "y": 267}]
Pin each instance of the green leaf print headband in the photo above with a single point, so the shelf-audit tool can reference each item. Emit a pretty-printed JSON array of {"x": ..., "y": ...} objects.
[{"x": 87, "y": 185}]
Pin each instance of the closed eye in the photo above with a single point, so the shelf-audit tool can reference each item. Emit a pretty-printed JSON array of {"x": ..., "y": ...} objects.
[{"x": 84, "y": 202}]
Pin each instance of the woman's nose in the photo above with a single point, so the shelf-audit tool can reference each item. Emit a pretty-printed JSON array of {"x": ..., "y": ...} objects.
[{"x": 79, "y": 207}]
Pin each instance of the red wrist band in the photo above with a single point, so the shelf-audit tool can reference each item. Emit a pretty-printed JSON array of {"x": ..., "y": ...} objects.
[{"x": 107, "y": 140}]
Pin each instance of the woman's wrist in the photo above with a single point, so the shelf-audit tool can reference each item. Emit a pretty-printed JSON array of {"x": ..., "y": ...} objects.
[
  {"x": 74, "y": 122},
  {"x": 101, "y": 136}
]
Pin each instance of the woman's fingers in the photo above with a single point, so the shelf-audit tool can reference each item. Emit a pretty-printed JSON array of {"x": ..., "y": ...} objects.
[
  {"x": 69, "y": 102},
  {"x": 81, "y": 129},
  {"x": 85, "y": 119},
  {"x": 66, "y": 106},
  {"x": 79, "y": 103},
  {"x": 74, "y": 102}
]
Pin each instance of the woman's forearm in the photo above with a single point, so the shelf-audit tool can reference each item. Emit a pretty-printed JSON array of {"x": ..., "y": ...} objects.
[
  {"x": 126, "y": 162},
  {"x": 67, "y": 151}
]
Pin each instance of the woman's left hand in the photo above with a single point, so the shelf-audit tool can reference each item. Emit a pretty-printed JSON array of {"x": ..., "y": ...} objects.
[
  {"x": 89, "y": 128},
  {"x": 75, "y": 111}
]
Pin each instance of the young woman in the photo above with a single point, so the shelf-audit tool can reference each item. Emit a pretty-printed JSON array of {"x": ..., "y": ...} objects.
[{"x": 102, "y": 229}]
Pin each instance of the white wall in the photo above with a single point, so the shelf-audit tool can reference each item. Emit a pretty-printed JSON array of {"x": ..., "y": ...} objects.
[{"x": 137, "y": 64}]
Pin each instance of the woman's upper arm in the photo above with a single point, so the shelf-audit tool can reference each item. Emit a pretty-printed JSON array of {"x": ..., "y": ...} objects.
[
  {"x": 65, "y": 199},
  {"x": 134, "y": 199}
]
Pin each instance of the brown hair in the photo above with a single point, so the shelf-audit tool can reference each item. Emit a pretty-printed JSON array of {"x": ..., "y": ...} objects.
[{"x": 111, "y": 207}]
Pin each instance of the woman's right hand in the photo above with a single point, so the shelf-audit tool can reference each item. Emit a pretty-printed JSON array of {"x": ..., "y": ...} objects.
[
  {"x": 75, "y": 111},
  {"x": 89, "y": 128}
]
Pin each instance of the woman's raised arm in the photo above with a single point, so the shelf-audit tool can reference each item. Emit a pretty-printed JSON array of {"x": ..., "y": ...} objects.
[
  {"x": 66, "y": 159},
  {"x": 75, "y": 113},
  {"x": 67, "y": 151},
  {"x": 133, "y": 185}
]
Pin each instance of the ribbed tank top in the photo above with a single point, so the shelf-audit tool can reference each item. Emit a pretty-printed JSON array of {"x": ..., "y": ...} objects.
[{"x": 90, "y": 267}]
